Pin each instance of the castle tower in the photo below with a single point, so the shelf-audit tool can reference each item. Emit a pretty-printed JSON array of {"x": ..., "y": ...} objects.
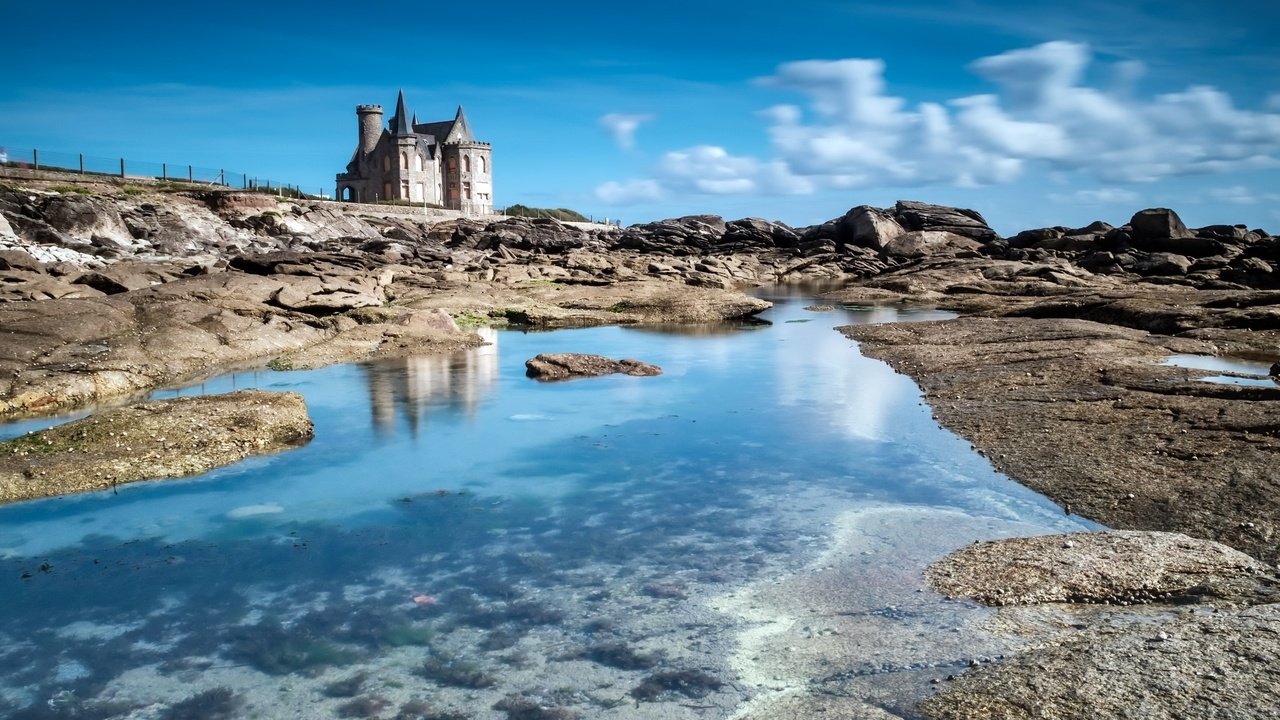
[
  {"x": 370, "y": 120},
  {"x": 468, "y": 169}
]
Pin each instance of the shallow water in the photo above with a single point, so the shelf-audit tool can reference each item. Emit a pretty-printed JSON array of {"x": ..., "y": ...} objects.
[
  {"x": 1256, "y": 373},
  {"x": 460, "y": 536}
]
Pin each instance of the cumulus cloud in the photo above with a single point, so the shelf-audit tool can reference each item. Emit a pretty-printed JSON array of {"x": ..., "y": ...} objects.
[
  {"x": 1236, "y": 195},
  {"x": 851, "y": 131},
  {"x": 623, "y": 127},
  {"x": 1097, "y": 196},
  {"x": 630, "y": 192}
]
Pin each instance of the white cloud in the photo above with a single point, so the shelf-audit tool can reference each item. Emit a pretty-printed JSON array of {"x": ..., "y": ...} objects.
[
  {"x": 629, "y": 192},
  {"x": 623, "y": 127},
  {"x": 1236, "y": 195},
  {"x": 1042, "y": 117},
  {"x": 1097, "y": 196}
]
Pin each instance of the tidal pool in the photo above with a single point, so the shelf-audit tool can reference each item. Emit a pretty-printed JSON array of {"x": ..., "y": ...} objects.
[{"x": 459, "y": 541}]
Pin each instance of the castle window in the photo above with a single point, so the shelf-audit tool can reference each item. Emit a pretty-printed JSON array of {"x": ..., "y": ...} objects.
[
  {"x": 386, "y": 163},
  {"x": 404, "y": 161},
  {"x": 466, "y": 163},
  {"x": 453, "y": 164},
  {"x": 417, "y": 162},
  {"x": 483, "y": 165},
  {"x": 466, "y": 189}
]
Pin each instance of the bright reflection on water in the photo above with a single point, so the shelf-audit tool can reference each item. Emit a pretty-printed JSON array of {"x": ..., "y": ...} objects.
[{"x": 566, "y": 541}]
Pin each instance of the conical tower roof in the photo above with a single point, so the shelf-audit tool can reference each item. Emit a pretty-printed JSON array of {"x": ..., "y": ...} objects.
[{"x": 400, "y": 122}]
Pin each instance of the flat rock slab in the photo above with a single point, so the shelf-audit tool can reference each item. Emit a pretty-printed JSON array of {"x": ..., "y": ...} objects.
[
  {"x": 165, "y": 438},
  {"x": 1208, "y": 664},
  {"x": 1116, "y": 567},
  {"x": 565, "y": 366}
]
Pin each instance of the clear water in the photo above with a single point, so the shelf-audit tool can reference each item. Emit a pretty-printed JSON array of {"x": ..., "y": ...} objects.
[
  {"x": 462, "y": 541},
  {"x": 1213, "y": 363}
]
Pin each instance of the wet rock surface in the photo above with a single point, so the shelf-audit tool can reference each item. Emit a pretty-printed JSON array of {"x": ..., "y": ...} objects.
[
  {"x": 565, "y": 366},
  {"x": 160, "y": 439}
]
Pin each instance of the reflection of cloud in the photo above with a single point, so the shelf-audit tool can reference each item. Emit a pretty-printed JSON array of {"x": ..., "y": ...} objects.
[
  {"x": 411, "y": 385},
  {"x": 824, "y": 371}
]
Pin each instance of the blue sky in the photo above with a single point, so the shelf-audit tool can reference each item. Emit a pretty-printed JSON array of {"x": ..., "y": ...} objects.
[{"x": 1032, "y": 113}]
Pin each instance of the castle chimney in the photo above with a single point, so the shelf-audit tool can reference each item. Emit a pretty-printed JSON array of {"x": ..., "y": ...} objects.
[{"x": 370, "y": 126}]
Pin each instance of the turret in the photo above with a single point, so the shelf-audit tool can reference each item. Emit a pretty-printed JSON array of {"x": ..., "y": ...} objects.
[{"x": 370, "y": 126}]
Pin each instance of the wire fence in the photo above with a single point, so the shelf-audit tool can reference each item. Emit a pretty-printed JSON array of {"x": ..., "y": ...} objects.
[{"x": 147, "y": 170}]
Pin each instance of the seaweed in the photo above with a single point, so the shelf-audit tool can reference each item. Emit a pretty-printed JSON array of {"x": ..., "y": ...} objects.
[
  {"x": 362, "y": 707},
  {"x": 220, "y": 703},
  {"x": 690, "y": 683},
  {"x": 621, "y": 655},
  {"x": 526, "y": 707},
  {"x": 421, "y": 710},
  {"x": 455, "y": 672},
  {"x": 346, "y": 687},
  {"x": 268, "y": 648}
]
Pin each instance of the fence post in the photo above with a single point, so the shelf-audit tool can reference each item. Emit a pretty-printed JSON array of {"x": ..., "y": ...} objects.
[
  {"x": 35, "y": 157},
  {"x": 81, "y": 163},
  {"x": 164, "y": 171},
  {"x": 121, "y": 167},
  {"x": 190, "y": 174}
]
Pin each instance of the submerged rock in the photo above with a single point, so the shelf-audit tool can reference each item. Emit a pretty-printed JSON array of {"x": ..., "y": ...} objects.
[
  {"x": 164, "y": 438},
  {"x": 563, "y": 366}
]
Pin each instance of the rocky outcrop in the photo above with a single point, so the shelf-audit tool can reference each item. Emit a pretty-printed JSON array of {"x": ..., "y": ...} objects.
[
  {"x": 160, "y": 439},
  {"x": 1119, "y": 566},
  {"x": 565, "y": 366}
]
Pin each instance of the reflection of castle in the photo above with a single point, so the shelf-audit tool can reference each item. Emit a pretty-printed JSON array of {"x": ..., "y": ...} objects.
[{"x": 410, "y": 386}]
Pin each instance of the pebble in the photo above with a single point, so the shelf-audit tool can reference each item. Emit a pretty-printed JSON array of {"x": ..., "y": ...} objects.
[{"x": 1069, "y": 544}]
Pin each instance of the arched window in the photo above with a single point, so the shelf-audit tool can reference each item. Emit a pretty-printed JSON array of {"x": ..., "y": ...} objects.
[
  {"x": 417, "y": 162},
  {"x": 466, "y": 163},
  {"x": 484, "y": 166},
  {"x": 386, "y": 163},
  {"x": 404, "y": 160}
]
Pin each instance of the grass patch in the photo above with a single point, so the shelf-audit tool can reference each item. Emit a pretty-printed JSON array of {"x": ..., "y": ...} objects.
[
  {"x": 71, "y": 190},
  {"x": 561, "y": 214},
  {"x": 133, "y": 190},
  {"x": 281, "y": 364}
]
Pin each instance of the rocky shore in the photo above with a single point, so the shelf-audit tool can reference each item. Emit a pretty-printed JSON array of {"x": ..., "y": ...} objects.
[
  {"x": 1055, "y": 371},
  {"x": 160, "y": 439}
]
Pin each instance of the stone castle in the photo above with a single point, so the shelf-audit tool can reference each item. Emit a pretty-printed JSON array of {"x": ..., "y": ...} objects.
[{"x": 435, "y": 163}]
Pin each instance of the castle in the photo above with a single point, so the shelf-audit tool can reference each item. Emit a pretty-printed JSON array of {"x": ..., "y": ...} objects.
[{"x": 436, "y": 163}]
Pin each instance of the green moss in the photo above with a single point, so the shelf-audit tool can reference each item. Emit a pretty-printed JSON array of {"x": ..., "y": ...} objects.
[
  {"x": 281, "y": 364},
  {"x": 471, "y": 320},
  {"x": 619, "y": 307},
  {"x": 71, "y": 189}
]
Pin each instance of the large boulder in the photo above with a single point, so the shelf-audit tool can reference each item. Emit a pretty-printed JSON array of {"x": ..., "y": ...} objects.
[
  {"x": 869, "y": 227},
  {"x": 913, "y": 215},
  {"x": 1158, "y": 224}
]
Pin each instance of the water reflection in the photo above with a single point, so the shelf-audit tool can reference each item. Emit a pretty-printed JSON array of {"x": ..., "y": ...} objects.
[
  {"x": 536, "y": 536},
  {"x": 410, "y": 387}
]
